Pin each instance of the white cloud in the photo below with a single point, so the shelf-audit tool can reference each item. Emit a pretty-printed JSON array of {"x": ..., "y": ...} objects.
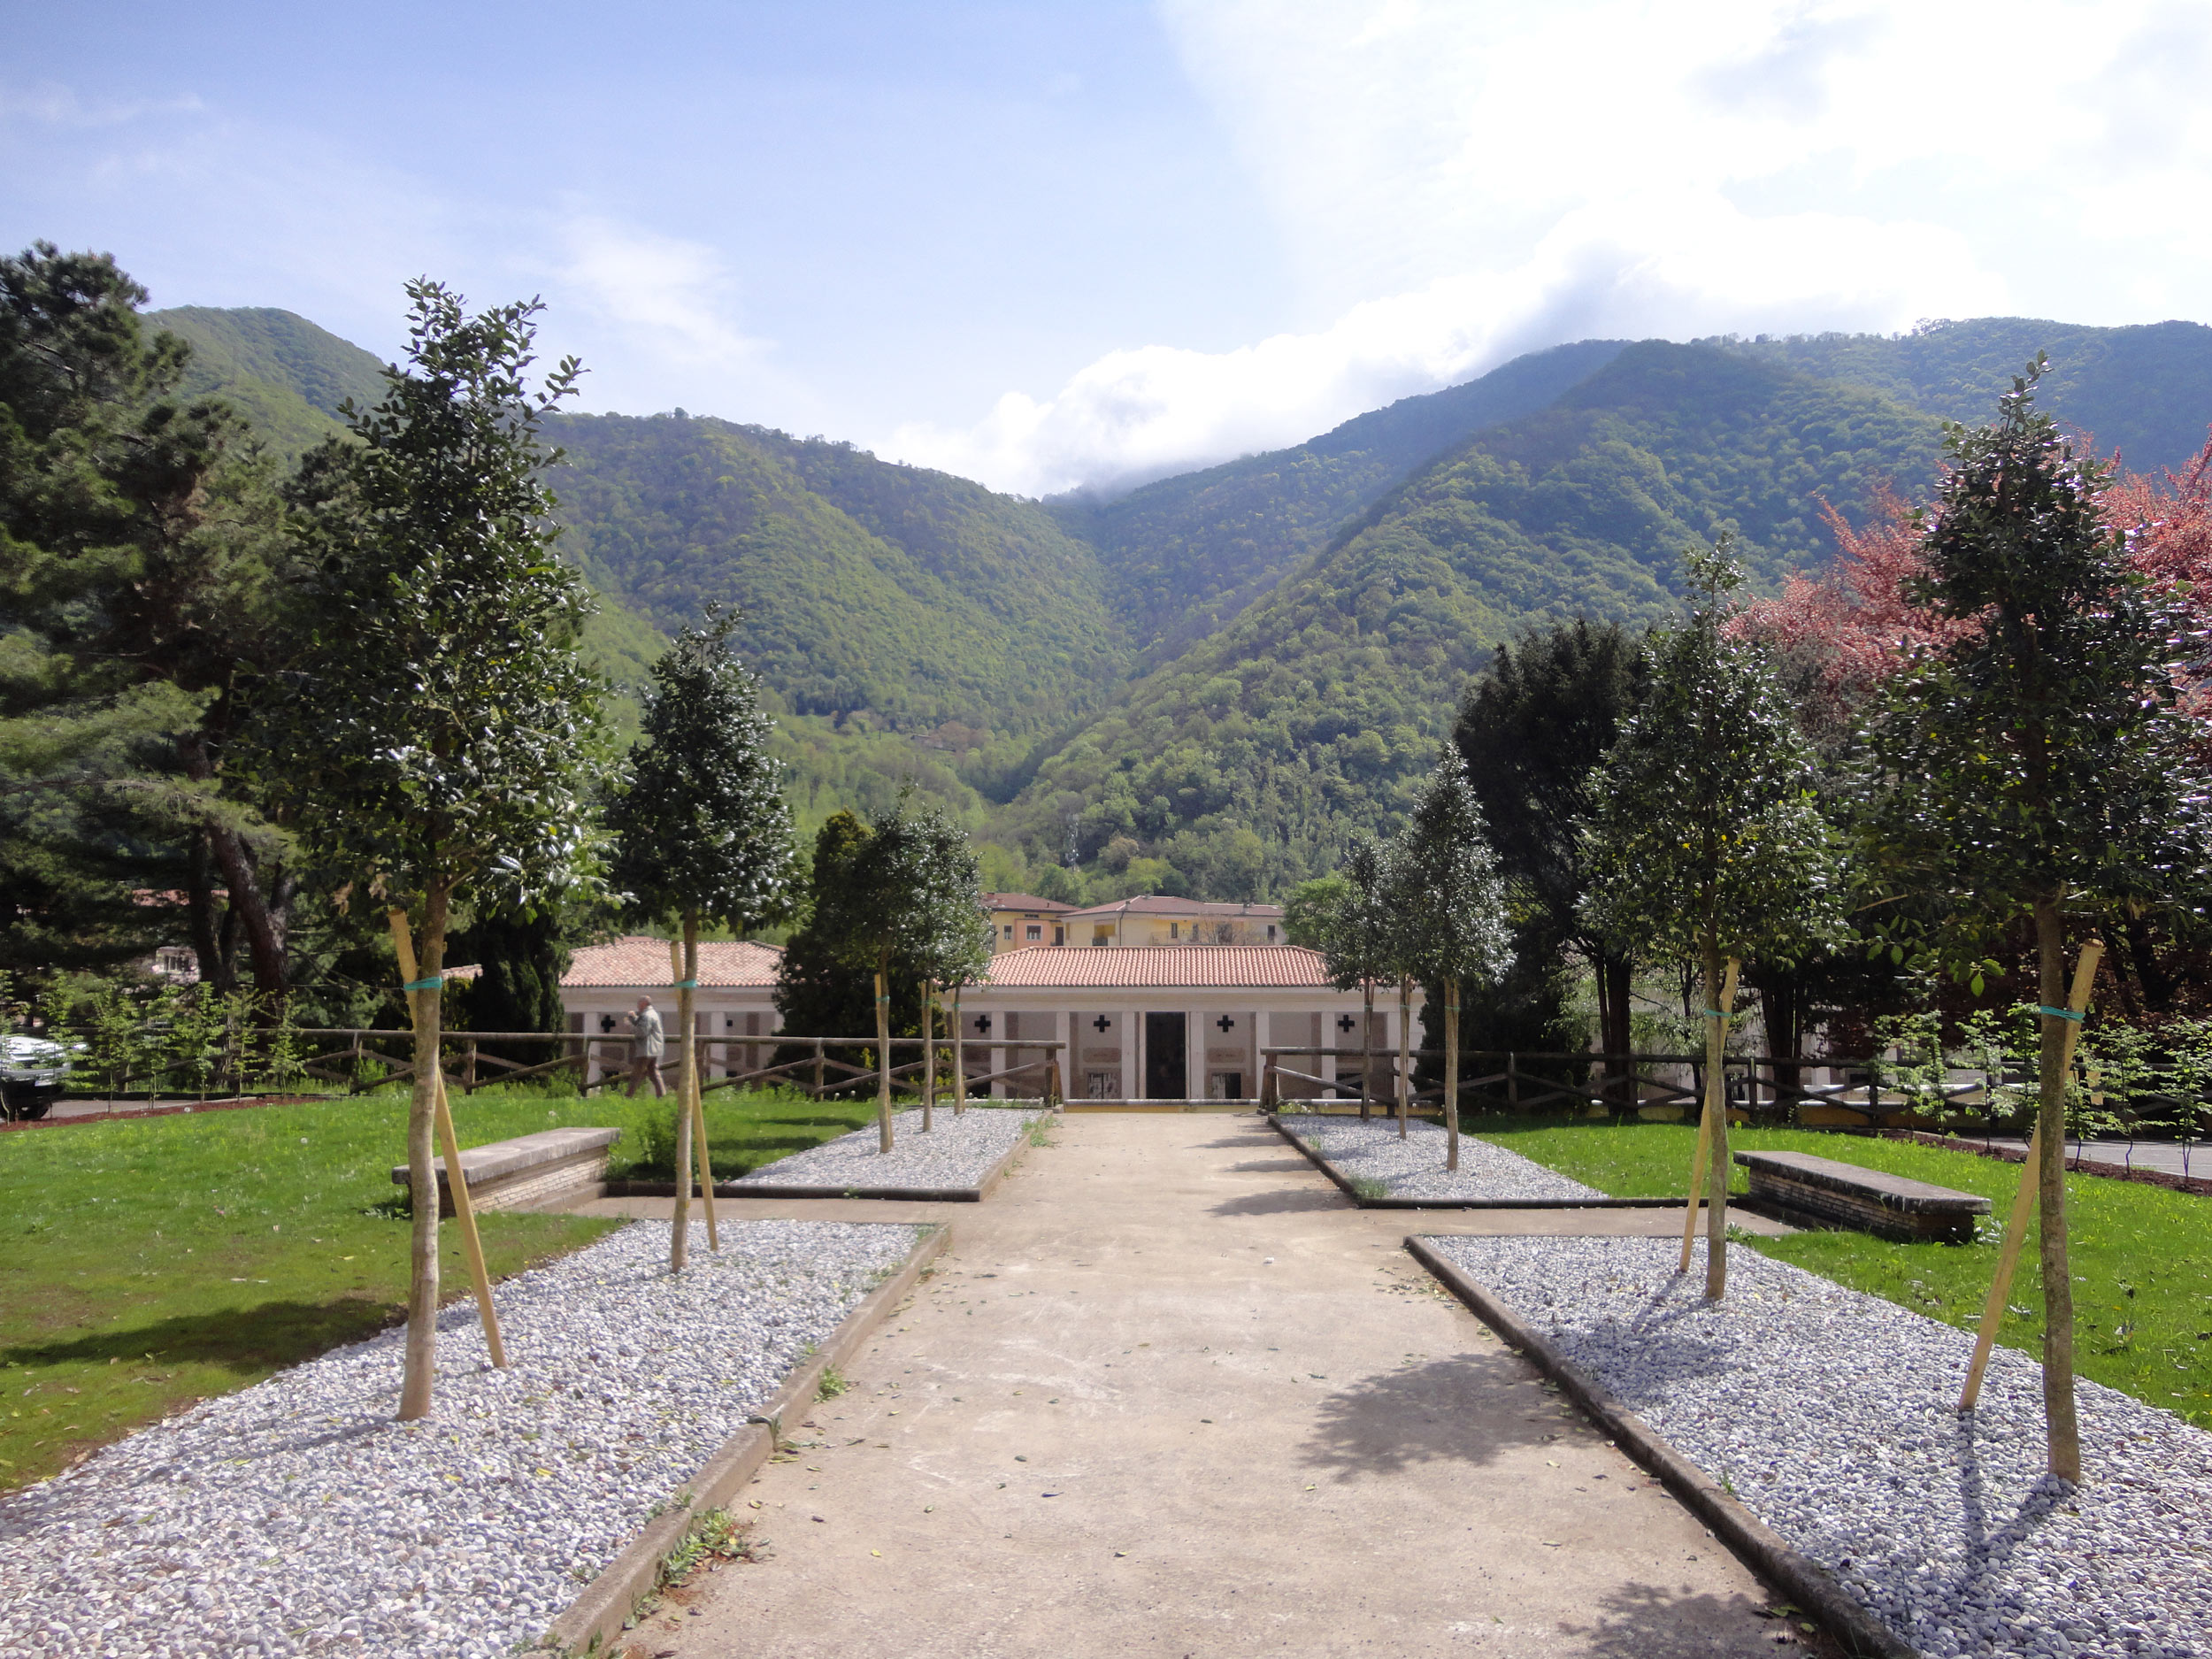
[{"x": 1460, "y": 183}]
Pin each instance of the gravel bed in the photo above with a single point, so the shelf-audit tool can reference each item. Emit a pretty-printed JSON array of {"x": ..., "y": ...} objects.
[
  {"x": 958, "y": 1152},
  {"x": 296, "y": 1516},
  {"x": 1414, "y": 1167},
  {"x": 1832, "y": 1414}
]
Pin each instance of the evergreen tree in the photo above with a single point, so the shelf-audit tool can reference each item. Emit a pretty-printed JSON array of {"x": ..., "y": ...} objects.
[
  {"x": 1349, "y": 925},
  {"x": 1707, "y": 842},
  {"x": 437, "y": 738},
  {"x": 1535, "y": 729},
  {"x": 2032, "y": 764},
  {"x": 702, "y": 832},
  {"x": 1446, "y": 901},
  {"x": 911, "y": 895},
  {"x": 139, "y": 545}
]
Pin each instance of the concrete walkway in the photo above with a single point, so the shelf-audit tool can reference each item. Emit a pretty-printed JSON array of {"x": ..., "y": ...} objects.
[{"x": 1169, "y": 1394}]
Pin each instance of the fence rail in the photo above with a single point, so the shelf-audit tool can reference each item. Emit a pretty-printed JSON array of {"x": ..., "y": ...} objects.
[{"x": 1874, "y": 1090}]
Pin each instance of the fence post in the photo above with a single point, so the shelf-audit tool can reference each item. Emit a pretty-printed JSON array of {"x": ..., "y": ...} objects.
[
  {"x": 1270, "y": 1089},
  {"x": 1512, "y": 1084},
  {"x": 817, "y": 1068}
]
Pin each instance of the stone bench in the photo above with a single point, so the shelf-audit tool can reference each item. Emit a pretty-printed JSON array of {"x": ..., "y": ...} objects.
[
  {"x": 1825, "y": 1193},
  {"x": 531, "y": 1172}
]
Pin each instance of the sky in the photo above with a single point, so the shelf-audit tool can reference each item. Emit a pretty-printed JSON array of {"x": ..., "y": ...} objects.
[{"x": 1086, "y": 243}]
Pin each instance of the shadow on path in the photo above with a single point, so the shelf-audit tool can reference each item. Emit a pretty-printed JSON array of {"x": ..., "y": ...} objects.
[{"x": 1465, "y": 1409}]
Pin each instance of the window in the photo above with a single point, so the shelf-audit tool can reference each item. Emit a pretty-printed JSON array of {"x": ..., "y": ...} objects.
[
  {"x": 1059, "y": 935},
  {"x": 1175, "y": 930},
  {"x": 1035, "y": 931},
  {"x": 1271, "y": 932},
  {"x": 1101, "y": 936},
  {"x": 1009, "y": 930}
]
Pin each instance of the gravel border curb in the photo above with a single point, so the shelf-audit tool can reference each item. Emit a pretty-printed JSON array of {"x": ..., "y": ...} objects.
[
  {"x": 1761, "y": 1549},
  {"x": 597, "y": 1617},
  {"x": 974, "y": 1195},
  {"x": 1345, "y": 1185}
]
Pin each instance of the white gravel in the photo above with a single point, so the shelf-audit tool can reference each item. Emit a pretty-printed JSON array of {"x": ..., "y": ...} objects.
[
  {"x": 297, "y": 1517},
  {"x": 958, "y": 1152},
  {"x": 1414, "y": 1167},
  {"x": 1832, "y": 1415}
]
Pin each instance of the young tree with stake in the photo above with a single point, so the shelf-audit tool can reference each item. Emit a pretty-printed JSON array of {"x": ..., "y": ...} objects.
[
  {"x": 702, "y": 833},
  {"x": 2032, "y": 763},
  {"x": 439, "y": 733},
  {"x": 912, "y": 892},
  {"x": 1708, "y": 844},
  {"x": 1443, "y": 886},
  {"x": 1354, "y": 935}
]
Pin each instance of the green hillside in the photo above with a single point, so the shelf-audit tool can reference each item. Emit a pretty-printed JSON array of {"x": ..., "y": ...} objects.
[
  {"x": 951, "y": 626},
  {"x": 1248, "y": 760},
  {"x": 1185, "y": 554},
  {"x": 2145, "y": 390},
  {"x": 285, "y": 374}
]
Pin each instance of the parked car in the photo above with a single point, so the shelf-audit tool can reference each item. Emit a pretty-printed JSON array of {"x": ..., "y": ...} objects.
[{"x": 31, "y": 1073}]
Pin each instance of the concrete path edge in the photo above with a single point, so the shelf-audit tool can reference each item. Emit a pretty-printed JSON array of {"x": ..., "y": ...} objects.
[
  {"x": 1809, "y": 1585},
  {"x": 974, "y": 1195},
  {"x": 1331, "y": 1171},
  {"x": 598, "y": 1615}
]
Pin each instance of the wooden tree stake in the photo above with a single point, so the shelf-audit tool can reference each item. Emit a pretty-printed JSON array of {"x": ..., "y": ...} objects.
[
  {"x": 929, "y": 1054},
  {"x": 456, "y": 1181},
  {"x": 1713, "y": 1092},
  {"x": 2023, "y": 1201},
  {"x": 959, "y": 1058}
]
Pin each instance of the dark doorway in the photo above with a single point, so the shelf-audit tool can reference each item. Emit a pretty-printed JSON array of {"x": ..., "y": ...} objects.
[{"x": 1164, "y": 1074}]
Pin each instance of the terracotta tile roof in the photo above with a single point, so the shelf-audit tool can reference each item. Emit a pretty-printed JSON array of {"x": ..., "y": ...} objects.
[
  {"x": 1153, "y": 904},
  {"x": 1023, "y": 902},
  {"x": 1139, "y": 967},
  {"x": 641, "y": 961}
]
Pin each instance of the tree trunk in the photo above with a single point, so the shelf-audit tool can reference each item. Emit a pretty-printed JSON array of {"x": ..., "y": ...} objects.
[
  {"x": 1405, "y": 1052},
  {"x": 1451, "y": 1074},
  {"x": 883, "y": 1051},
  {"x": 419, "y": 1373},
  {"x": 1716, "y": 1115},
  {"x": 1614, "y": 974},
  {"x": 686, "y": 978},
  {"x": 264, "y": 936},
  {"x": 2065, "y": 1434},
  {"x": 216, "y": 971},
  {"x": 959, "y": 1058},
  {"x": 1367, "y": 1054},
  {"x": 929, "y": 1054}
]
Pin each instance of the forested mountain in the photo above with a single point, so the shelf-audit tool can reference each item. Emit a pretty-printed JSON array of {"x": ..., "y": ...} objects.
[
  {"x": 1249, "y": 759},
  {"x": 1185, "y": 554},
  {"x": 2145, "y": 390},
  {"x": 285, "y": 373},
  {"x": 1230, "y": 670}
]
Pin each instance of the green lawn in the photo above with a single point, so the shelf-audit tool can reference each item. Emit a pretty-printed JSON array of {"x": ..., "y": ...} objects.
[
  {"x": 2142, "y": 1254},
  {"x": 150, "y": 1261}
]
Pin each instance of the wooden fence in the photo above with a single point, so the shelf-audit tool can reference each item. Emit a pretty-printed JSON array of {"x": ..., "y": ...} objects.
[{"x": 1871, "y": 1090}]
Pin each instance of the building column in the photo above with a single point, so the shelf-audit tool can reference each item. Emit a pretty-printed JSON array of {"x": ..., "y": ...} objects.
[
  {"x": 1131, "y": 1078},
  {"x": 1194, "y": 1055}
]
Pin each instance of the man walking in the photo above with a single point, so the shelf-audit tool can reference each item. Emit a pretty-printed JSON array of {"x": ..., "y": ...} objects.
[{"x": 647, "y": 1045}]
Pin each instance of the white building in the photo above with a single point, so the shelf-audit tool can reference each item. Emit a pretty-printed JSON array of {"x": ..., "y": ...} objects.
[
  {"x": 1139, "y": 1023},
  {"x": 1148, "y": 1023}
]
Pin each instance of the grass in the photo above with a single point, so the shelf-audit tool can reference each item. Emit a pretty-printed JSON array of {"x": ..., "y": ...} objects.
[
  {"x": 2142, "y": 1254},
  {"x": 147, "y": 1262}
]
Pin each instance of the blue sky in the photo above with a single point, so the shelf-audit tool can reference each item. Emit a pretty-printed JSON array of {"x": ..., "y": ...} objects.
[{"x": 1050, "y": 243}]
